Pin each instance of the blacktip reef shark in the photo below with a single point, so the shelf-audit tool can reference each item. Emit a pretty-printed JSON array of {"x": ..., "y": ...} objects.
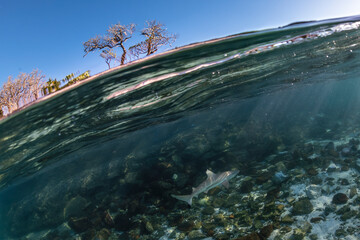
[{"x": 213, "y": 180}]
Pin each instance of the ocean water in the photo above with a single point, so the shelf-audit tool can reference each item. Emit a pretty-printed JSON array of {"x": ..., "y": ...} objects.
[{"x": 101, "y": 161}]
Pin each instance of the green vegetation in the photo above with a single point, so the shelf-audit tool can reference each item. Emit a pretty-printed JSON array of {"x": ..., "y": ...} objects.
[
  {"x": 50, "y": 86},
  {"x": 71, "y": 79},
  {"x": 53, "y": 85},
  {"x": 29, "y": 87}
]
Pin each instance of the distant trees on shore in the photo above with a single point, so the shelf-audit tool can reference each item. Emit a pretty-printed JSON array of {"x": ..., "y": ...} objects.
[
  {"x": 21, "y": 90},
  {"x": 71, "y": 79},
  {"x": 116, "y": 36},
  {"x": 51, "y": 86},
  {"x": 156, "y": 36},
  {"x": 155, "y": 33},
  {"x": 28, "y": 87}
]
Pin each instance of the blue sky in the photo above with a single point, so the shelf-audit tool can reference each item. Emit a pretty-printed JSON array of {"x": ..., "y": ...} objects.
[{"x": 48, "y": 34}]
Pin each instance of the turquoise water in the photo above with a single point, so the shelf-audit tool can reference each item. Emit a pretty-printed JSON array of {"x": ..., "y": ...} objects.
[{"x": 282, "y": 106}]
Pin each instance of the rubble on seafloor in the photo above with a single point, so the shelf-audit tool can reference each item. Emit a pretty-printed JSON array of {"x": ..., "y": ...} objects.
[{"x": 308, "y": 191}]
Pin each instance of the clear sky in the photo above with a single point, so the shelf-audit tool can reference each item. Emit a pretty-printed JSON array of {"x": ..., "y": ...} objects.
[{"x": 48, "y": 34}]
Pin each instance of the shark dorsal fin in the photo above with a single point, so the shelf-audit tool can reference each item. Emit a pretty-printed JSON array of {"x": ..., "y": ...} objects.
[{"x": 209, "y": 173}]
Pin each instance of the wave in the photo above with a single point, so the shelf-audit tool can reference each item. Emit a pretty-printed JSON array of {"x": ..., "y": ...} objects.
[{"x": 174, "y": 85}]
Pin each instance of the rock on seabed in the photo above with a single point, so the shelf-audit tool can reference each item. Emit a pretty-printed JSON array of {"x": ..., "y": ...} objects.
[
  {"x": 340, "y": 198},
  {"x": 302, "y": 206}
]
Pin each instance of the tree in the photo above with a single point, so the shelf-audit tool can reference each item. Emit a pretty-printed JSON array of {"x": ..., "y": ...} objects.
[
  {"x": 51, "y": 85},
  {"x": 12, "y": 93},
  {"x": 21, "y": 90},
  {"x": 83, "y": 76},
  {"x": 108, "y": 55},
  {"x": 116, "y": 36},
  {"x": 71, "y": 79},
  {"x": 68, "y": 79},
  {"x": 35, "y": 82},
  {"x": 156, "y": 36}
]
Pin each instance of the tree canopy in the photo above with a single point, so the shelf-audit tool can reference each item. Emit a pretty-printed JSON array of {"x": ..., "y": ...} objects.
[
  {"x": 21, "y": 90},
  {"x": 155, "y": 33},
  {"x": 27, "y": 87},
  {"x": 116, "y": 36},
  {"x": 50, "y": 86},
  {"x": 156, "y": 36},
  {"x": 108, "y": 56},
  {"x": 53, "y": 85},
  {"x": 71, "y": 79}
]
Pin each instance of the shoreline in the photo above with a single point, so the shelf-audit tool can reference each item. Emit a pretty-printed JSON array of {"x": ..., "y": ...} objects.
[
  {"x": 108, "y": 71},
  {"x": 174, "y": 50}
]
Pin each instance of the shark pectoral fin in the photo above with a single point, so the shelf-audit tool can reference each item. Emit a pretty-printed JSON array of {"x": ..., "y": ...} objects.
[
  {"x": 225, "y": 184},
  {"x": 185, "y": 198}
]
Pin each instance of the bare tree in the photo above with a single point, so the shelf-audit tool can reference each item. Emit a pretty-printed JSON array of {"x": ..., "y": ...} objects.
[
  {"x": 35, "y": 81},
  {"x": 156, "y": 36},
  {"x": 12, "y": 93},
  {"x": 116, "y": 36},
  {"x": 108, "y": 55},
  {"x": 4, "y": 103},
  {"x": 21, "y": 90}
]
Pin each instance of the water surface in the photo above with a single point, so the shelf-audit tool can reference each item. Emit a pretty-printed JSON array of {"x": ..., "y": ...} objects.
[{"x": 100, "y": 161}]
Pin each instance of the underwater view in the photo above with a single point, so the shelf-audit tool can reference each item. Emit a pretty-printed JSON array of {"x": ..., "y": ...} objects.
[{"x": 249, "y": 137}]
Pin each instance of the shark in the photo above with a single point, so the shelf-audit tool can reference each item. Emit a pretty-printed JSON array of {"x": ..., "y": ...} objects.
[{"x": 213, "y": 180}]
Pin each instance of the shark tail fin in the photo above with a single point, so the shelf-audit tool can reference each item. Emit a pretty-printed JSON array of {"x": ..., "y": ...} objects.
[{"x": 185, "y": 198}]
